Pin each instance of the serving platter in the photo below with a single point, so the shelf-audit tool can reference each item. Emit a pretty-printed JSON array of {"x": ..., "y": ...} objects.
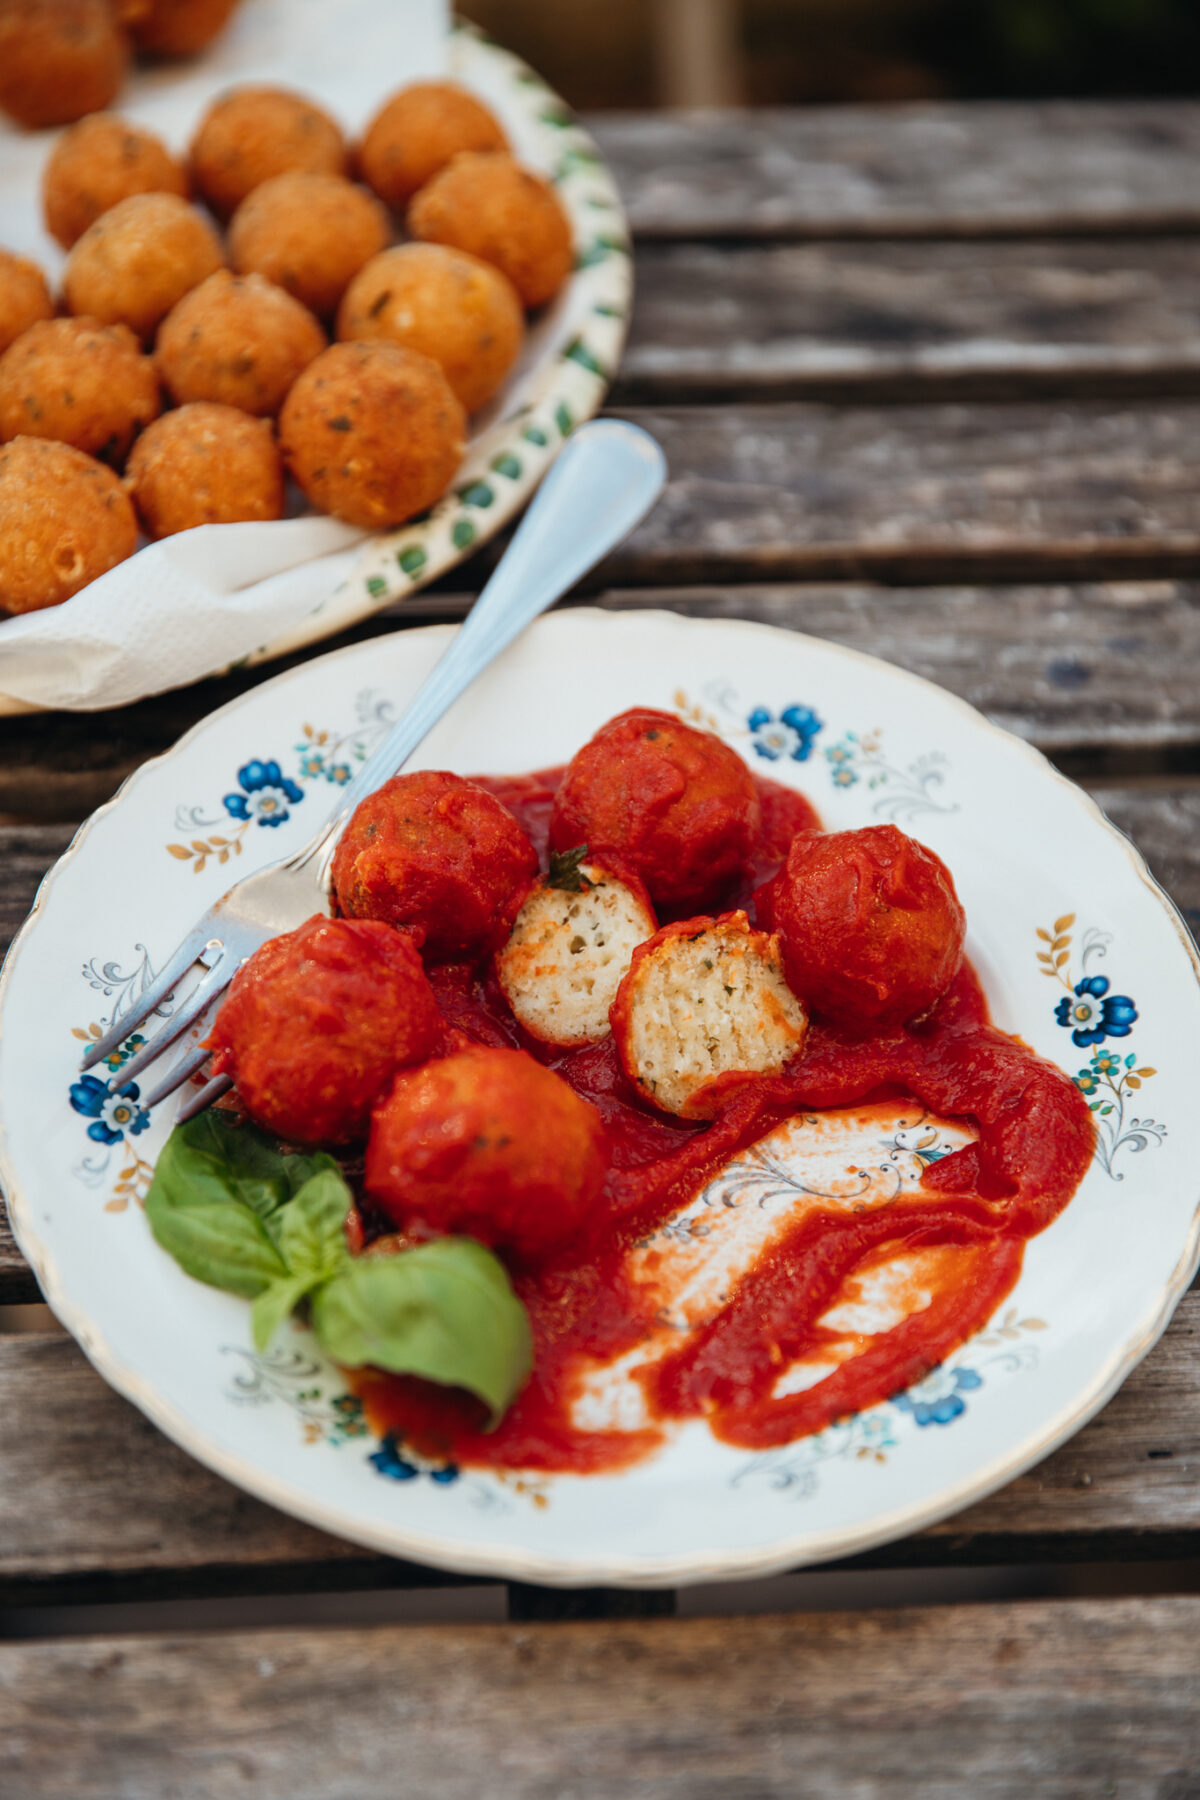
[
  {"x": 1080, "y": 953},
  {"x": 571, "y": 351}
]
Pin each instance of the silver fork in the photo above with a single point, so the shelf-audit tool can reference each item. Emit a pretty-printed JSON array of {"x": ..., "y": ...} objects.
[{"x": 606, "y": 478}]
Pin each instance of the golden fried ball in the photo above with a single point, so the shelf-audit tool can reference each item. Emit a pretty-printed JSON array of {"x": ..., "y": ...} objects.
[
  {"x": 97, "y": 162},
  {"x": 308, "y": 233},
  {"x": 24, "y": 297},
  {"x": 176, "y": 27},
  {"x": 138, "y": 259},
  {"x": 80, "y": 382},
  {"x": 64, "y": 520},
  {"x": 252, "y": 133},
  {"x": 205, "y": 465},
  {"x": 487, "y": 204},
  {"x": 372, "y": 433},
  {"x": 59, "y": 59},
  {"x": 417, "y": 131},
  {"x": 446, "y": 304},
  {"x": 239, "y": 340}
]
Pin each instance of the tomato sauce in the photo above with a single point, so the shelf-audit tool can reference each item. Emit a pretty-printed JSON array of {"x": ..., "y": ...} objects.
[{"x": 602, "y": 1298}]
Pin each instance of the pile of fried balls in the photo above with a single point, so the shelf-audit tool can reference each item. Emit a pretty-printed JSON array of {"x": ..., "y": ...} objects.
[{"x": 189, "y": 366}]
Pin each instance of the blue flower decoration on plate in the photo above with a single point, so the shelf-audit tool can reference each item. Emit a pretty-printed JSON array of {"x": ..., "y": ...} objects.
[
  {"x": 791, "y": 734},
  {"x": 1092, "y": 1013},
  {"x": 389, "y": 1461},
  {"x": 113, "y": 1116},
  {"x": 939, "y": 1397},
  {"x": 267, "y": 793}
]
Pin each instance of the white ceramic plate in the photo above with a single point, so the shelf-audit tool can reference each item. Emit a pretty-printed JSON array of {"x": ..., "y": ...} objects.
[
  {"x": 1041, "y": 874},
  {"x": 567, "y": 364}
]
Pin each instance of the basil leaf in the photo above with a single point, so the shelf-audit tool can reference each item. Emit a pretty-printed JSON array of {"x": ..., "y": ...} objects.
[
  {"x": 310, "y": 1233},
  {"x": 213, "y": 1157},
  {"x": 443, "y": 1310},
  {"x": 215, "y": 1201},
  {"x": 311, "y": 1229},
  {"x": 218, "y": 1241},
  {"x": 275, "y": 1303}
]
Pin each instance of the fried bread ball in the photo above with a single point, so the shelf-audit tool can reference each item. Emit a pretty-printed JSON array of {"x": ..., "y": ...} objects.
[
  {"x": 238, "y": 340},
  {"x": 176, "y": 27},
  {"x": 97, "y": 162},
  {"x": 675, "y": 805},
  {"x": 64, "y": 520},
  {"x": 205, "y": 464},
  {"x": 24, "y": 297},
  {"x": 59, "y": 59},
  {"x": 487, "y": 204},
  {"x": 462, "y": 312},
  {"x": 138, "y": 259},
  {"x": 417, "y": 131},
  {"x": 372, "y": 433},
  {"x": 436, "y": 856},
  {"x": 488, "y": 1143},
  {"x": 705, "y": 999},
  {"x": 317, "y": 1022},
  {"x": 309, "y": 234},
  {"x": 569, "y": 949},
  {"x": 252, "y": 133},
  {"x": 85, "y": 384},
  {"x": 871, "y": 927}
]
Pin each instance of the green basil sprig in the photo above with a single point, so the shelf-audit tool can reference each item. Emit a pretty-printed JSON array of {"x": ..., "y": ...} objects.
[
  {"x": 445, "y": 1310},
  {"x": 236, "y": 1212}
]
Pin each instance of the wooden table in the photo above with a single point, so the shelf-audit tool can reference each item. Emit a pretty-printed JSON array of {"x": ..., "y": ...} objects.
[{"x": 929, "y": 385}]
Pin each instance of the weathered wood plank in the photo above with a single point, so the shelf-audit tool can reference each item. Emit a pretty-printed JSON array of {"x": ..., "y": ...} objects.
[
  {"x": 969, "y": 170},
  {"x": 993, "y": 1701},
  {"x": 920, "y": 494},
  {"x": 895, "y": 321},
  {"x": 1128, "y": 1485}
]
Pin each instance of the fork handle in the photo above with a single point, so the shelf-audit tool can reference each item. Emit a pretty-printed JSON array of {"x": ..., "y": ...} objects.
[{"x": 606, "y": 478}]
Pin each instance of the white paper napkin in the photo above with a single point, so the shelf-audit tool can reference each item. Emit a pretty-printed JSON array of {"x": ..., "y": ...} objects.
[{"x": 193, "y": 603}]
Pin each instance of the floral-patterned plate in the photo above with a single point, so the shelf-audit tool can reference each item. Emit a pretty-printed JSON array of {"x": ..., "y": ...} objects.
[
  {"x": 1080, "y": 953},
  {"x": 571, "y": 352}
]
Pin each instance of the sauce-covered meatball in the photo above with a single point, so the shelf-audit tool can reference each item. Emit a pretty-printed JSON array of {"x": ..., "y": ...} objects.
[
  {"x": 238, "y": 340},
  {"x": 137, "y": 259},
  {"x": 252, "y": 133},
  {"x": 439, "y": 857},
  {"x": 98, "y": 162},
  {"x": 490, "y": 1144},
  {"x": 64, "y": 520},
  {"x": 871, "y": 927},
  {"x": 417, "y": 131},
  {"x": 310, "y": 234},
  {"x": 487, "y": 204},
  {"x": 59, "y": 59},
  {"x": 450, "y": 306},
  {"x": 85, "y": 384},
  {"x": 24, "y": 297},
  {"x": 205, "y": 464},
  {"x": 317, "y": 1023},
  {"x": 372, "y": 433},
  {"x": 675, "y": 805}
]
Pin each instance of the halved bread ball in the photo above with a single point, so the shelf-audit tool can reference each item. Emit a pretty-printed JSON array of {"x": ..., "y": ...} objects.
[
  {"x": 704, "y": 998},
  {"x": 569, "y": 949}
]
